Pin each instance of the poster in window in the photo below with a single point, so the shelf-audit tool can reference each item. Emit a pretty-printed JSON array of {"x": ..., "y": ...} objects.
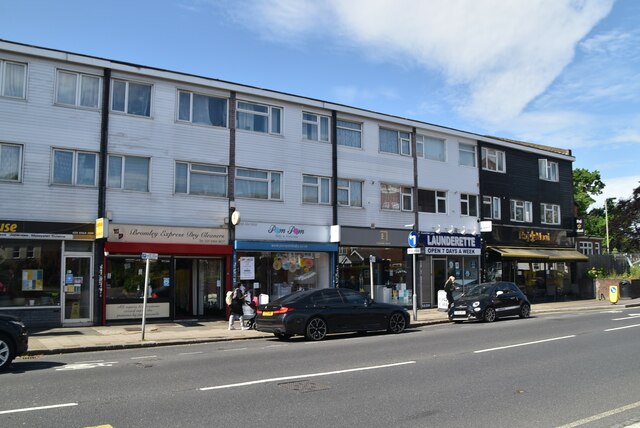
[
  {"x": 247, "y": 268},
  {"x": 32, "y": 280}
]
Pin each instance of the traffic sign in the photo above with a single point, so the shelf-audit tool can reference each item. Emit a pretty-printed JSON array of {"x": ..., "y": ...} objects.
[
  {"x": 414, "y": 250},
  {"x": 149, "y": 256},
  {"x": 413, "y": 239}
]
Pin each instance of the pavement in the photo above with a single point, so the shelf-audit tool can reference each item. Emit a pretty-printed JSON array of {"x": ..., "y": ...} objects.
[{"x": 96, "y": 338}]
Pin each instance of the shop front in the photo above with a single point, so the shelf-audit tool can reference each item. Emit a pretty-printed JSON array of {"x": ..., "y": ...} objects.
[
  {"x": 541, "y": 262},
  {"x": 187, "y": 281},
  {"x": 275, "y": 259},
  {"x": 375, "y": 261},
  {"x": 46, "y": 272}
]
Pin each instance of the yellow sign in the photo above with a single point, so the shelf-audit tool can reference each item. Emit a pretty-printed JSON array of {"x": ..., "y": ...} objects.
[
  {"x": 102, "y": 228},
  {"x": 614, "y": 294}
]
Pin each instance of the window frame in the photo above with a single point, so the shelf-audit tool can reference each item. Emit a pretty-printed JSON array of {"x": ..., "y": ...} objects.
[
  {"x": 439, "y": 201},
  {"x": 269, "y": 115},
  {"x": 322, "y": 187},
  {"x": 586, "y": 247},
  {"x": 493, "y": 160},
  {"x": 3, "y": 79},
  {"x": 548, "y": 170},
  {"x": 526, "y": 207},
  {"x": 404, "y": 198},
  {"x": 320, "y": 122},
  {"x": 78, "y": 89},
  {"x": 422, "y": 143},
  {"x": 126, "y": 100},
  {"x": 468, "y": 205},
  {"x": 495, "y": 207},
  {"x": 123, "y": 172},
  {"x": 462, "y": 149},
  {"x": 20, "y": 147},
  {"x": 349, "y": 186},
  {"x": 271, "y": 192},
  {"x": 348, "y": 129},
  {"x": 190, "y": 171},
  {"x": 74, "y": 167},
  {"x": 402, "y": 143},
  {"x": 192, "y": 95},
  {"x": 553, "y": 210}
]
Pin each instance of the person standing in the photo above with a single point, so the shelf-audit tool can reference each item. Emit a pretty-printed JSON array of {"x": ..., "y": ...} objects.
[
  {"x": 449, "y": 286},
  {"x": 237, "y": 300}
]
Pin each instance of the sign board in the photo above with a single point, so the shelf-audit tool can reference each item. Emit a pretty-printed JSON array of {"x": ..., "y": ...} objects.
[
  {"x": 149, "y": 256},
  {"x": 413, "y": 240},
  {"x": 102, "y": 228},
  {"x": 414, "y": 250},
  {"x": 247, "y": 268}
]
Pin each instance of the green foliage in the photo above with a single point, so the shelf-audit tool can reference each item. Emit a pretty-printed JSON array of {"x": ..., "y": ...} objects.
[
  {"x": 586, "y": 184},
  {"x": 624, "y": 224}
]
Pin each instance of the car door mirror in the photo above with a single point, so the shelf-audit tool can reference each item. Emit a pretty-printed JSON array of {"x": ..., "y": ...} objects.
[{"x": 499, "y": 293}]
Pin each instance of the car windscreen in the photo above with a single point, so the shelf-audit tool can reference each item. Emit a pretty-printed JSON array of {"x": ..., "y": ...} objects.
[{"x": 478, "y": 290}]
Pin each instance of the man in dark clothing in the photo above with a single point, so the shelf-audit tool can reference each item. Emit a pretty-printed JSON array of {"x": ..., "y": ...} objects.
[
  {"x": 449, "y": 286},
  {"x": 237, "y": 300}
]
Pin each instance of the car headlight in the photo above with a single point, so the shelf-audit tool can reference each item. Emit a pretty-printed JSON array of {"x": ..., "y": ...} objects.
[{"x": 475, "y": 304}]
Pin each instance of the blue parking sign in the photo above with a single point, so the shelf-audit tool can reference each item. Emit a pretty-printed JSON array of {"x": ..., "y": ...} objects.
[{"x": 413, "y": 239}]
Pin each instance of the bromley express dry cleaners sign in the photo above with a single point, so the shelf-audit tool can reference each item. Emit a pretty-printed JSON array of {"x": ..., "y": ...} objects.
[{"x": 453, "y": 244}]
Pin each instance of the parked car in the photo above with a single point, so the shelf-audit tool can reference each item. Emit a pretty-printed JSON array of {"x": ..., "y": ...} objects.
[
  {"x": 489, "y": 301},
  {"x": 14, "y": 340},
  {"x": 316, "y": 313}
]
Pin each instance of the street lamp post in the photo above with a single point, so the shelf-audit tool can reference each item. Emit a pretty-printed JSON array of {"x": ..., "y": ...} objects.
[{"x": 606, "y": 221}]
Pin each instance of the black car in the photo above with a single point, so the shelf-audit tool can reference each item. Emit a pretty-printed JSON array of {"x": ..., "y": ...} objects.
[
  {"x": 316, "y": 313},
  {"x": 489, "y": 301},
  {"x": 14, "y": 340}
]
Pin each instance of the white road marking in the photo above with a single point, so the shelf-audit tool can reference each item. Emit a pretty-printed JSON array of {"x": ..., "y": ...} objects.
[
  {"x": 235, "y": 349},
  {"x": 304, "y": 376},
  {"x": 83, "y": 366},
  {"x": 524, "y": 344},
  {"x": 630, "y": 317},
  {"x": 191, "y": 353},
  {"x": 89, "y": 362},
  {"x": 610, "y": 312},
  {"x": 30, "y": 409},
  {"x": 602, "y": 415},
  {"x": 622, "y": 328},
  {"x": 145, "y": 357}
]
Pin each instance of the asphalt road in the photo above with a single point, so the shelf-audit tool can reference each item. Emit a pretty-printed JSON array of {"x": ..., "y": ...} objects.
[{"x": 578, "y": 369}]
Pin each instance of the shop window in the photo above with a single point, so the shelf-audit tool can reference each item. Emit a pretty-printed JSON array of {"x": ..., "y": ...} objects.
[{"x": 125, "y": 278}]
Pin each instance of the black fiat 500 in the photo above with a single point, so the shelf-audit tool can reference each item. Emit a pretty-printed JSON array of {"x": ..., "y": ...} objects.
[
  {"x": 14, "y": 340},
  {"x": 316, "y": 313},
  {"x": 489, "y": 301}
]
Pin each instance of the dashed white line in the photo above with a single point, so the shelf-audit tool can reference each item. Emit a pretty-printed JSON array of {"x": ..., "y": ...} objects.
[
  {"x": 145, "y": 357},
  {"x": 622, "y": 328},
  {"x": 630, "y": 317},
  {"x": 602, "y": 415},
  {"x": 191, "y": 353},
  {"x": 524, "y": 344},
  {"x": 30, "y": 409},
  {"x": 304, "y": 376}
]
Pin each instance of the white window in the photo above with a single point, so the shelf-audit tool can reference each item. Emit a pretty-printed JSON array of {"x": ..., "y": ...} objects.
[
  {"x": 431, "y": 148},
  {"x": 493, "y": 160},
  {"x": 13, "y": 79},
  {"x": 432, "y": 201},
  {"x": 350, "y": 193},
  {"x": 397, "y": 198},
  {"x": 548, "y": 170},
  {"x": 316, "y": 190},
  {"x": 128, "y": 173},
  {"x": 349, "y": 133},
  {"x": 131, "y": 98},
  {"x": 521, "y": 211},
  {"x": 202, "y": 109},
  {"x": 491, "y": 208},
  {"x": 468, "y": 205},
  {"x": 467, "y": 154},
  {"x": 258, "y": 117},
  {"x": 201, "y": 179},
  {"x": 550, "y": 214},
  {"x": 77, "y": 89},
  {"x": 315, "y": 127},
  {"x": 392, "y": 141},
  {"x": 596, "y": 248},
  {"x": 258, "y": 184},
  {"x": 10, "y": 162},
  {"x": 74, "y": 168},
  {"x": 586, "y": 247}
]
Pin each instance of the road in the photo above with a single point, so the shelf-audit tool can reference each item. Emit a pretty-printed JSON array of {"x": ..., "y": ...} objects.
[{"x": 570, "y": 369}]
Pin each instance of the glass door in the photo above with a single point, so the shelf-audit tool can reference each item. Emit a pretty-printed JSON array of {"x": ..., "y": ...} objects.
[{"x": 76, "y": 289}]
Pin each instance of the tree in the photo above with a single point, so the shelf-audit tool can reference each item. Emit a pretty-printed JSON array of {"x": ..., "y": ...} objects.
[
  {"x": 585, "y": 185},
  {"x": 624, "y": 224}
]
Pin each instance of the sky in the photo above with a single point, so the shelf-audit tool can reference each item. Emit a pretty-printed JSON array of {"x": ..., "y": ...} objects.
[{"x": 562, "y": 73}]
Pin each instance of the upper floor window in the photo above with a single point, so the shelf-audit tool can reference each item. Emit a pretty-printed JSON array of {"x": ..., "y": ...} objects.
[
  {"x": 349, "y": 133},
  {"x": 258, "y": 184},
  {"x": 316, "y": 190},
  {"x": 392, "y": 141},
  {"x": 430, "y": 148},
  {"x": 202, "y": 109},
  {"x": 468, "y": 205},
  {"x": 13, "y": 79},
  {"x": 350, "y": 193},
  {"x": 258, "y": 117},
  {"x": 432, "y": 201},
  {"x": 74, "y": 168},
  {"x": 128, "y": 173},
  {"x": 550, "y": 214},
  {"x": 10, "y": 162},
  {"x": 548, "y": 170},
  {"x": 394, "y": 197},
  {"x": 467, "y": 154},
  {"x": 201, "y": 179},
  {"x": 491, "y": 208},
  {"x": 131, "y": 98},
  {"x": 521, "y": 211},
  {"x": 315, "y": 127},
  {"x": 77, "y": 89},
  {"x": 586, "y": 247},
  {"x": 493, "y": 160}
]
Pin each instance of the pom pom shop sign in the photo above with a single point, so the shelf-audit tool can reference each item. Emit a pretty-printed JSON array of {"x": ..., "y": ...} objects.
[
  {"x": 282, "y": 232},
  {"x": 450, "y": 244}
]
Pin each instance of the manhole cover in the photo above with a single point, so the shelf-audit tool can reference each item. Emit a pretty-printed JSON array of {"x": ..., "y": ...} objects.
[{"x": 303, "y": 386}]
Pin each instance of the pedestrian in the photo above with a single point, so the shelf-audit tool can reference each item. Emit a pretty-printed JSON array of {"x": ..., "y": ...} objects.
[
  {"x": 235, "y": 308},
  {"x": 449, "y": 286}
]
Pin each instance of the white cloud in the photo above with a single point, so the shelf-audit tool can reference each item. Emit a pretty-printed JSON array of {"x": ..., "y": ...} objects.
[
  {"x": 619, "y": 188},
  {"x": 352, "y": 93}
]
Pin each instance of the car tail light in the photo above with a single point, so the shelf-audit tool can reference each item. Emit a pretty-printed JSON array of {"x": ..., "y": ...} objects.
[{"x": 282, "y": 310}]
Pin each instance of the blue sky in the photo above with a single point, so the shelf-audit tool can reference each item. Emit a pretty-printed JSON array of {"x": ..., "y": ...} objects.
[{"x": 564, "y": 73}]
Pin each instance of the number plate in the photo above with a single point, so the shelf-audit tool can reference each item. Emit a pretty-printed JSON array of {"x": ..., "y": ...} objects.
[
  {"x": 267, "y": 313},
  {"x": 459, "y": 312}
]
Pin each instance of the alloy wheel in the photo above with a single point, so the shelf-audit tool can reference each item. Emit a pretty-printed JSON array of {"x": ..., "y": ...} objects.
[
  {"x": 316, "y": 329},
  {"x": 489, "y": 314},
  {"x": 397, "y": 323},
  {"x": 525, "y": 311}
]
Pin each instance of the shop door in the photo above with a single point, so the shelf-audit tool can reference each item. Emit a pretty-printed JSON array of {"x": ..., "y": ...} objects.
[
  {"x": 76, "y": 292},
  {"x": 199, "y": 288},
  {"x": 439, "y": 277}
]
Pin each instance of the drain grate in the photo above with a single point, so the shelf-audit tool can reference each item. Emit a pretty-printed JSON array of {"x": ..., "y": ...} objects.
[{"x": 303, "y": 386}]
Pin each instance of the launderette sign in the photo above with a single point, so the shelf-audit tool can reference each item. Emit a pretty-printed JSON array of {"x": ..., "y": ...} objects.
[{"x": 455, "y": 244}]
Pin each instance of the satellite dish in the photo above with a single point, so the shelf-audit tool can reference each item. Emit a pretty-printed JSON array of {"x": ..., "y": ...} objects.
[{"x": 235, "y": 217}]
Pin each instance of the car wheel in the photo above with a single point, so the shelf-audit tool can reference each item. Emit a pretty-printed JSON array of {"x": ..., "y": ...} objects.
[
  {"x": 489, "y": 315},
  {"x": 316, "y": 329},
  {"x": 7, "y": 353},
  {"x": 525, "y": 311},
  {"x": 397, "y": 323},
  {"x": 282, "y": 336}
]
